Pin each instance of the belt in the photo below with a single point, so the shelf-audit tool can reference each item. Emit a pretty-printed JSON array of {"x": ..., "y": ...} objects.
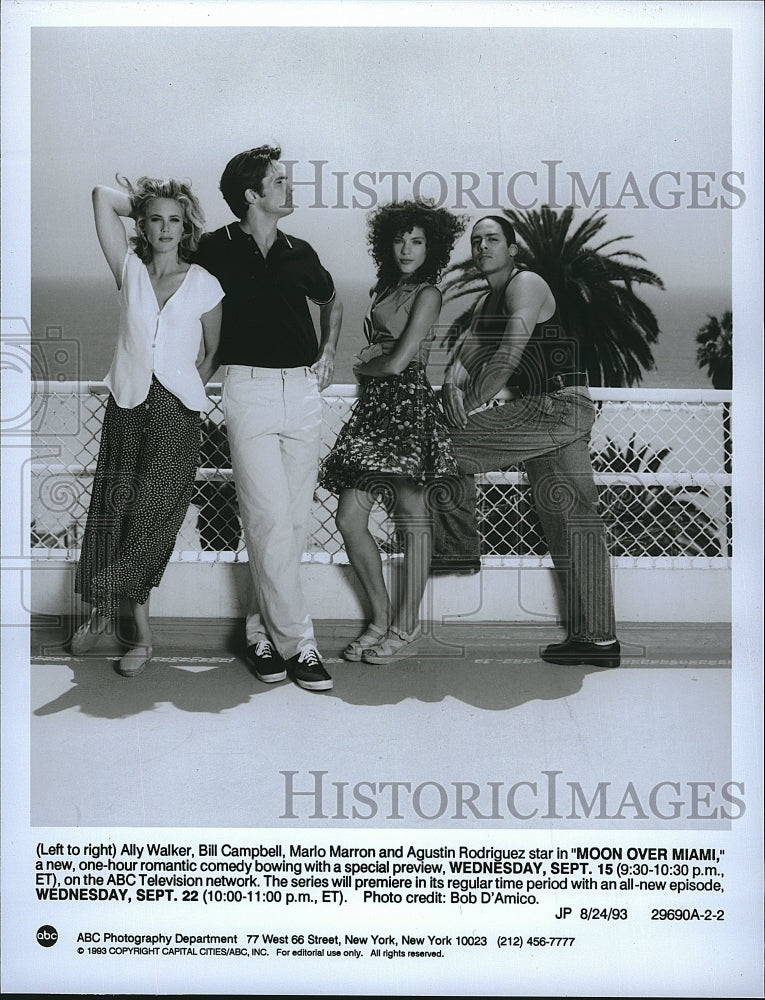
[
  {"x": 502, "y": 397},
  {"x": 565, "y": 380},
  {"x": 252, "y": 371}
]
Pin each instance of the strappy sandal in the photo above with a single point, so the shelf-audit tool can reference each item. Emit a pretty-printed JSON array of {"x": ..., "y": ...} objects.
[
  {"x": 84, "y": 639},
  {"x": 395, "y": 645},
  {"x": 134, "y": 661},
  {"x": 368, "y": 638}
]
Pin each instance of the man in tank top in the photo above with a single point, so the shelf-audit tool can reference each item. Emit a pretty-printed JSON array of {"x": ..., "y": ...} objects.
[{"x": 514, "y": 393}]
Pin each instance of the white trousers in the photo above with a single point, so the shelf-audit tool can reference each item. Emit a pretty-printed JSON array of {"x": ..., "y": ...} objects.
[{"x": 273, "y": 416}]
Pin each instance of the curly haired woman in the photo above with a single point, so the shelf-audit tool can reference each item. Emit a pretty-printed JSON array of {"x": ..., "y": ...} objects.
[{"x": 396, "y": 441}]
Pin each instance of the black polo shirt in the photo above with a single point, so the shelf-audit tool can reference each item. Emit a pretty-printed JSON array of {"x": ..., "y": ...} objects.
[{"x": 266, "y": 319}]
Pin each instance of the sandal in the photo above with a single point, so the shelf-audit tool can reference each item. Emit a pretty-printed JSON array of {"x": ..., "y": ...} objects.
[
  {"x": 84, "y": 639},
  {"x": 394, "y": 645},
  {"x": 368, "y": 638},
  {"x": 134, "y": 661}
]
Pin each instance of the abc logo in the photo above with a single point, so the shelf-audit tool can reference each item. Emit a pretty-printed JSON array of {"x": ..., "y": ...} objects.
[{"x": 47, "y": 936}]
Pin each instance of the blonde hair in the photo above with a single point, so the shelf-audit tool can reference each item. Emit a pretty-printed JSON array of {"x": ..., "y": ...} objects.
[{"x": 145, "y": 190}]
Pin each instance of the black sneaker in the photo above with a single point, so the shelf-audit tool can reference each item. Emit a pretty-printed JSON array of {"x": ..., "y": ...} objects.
[
  {"x": 578, "y": 652},
  {"x": 307, "y": 670},
  {"x": 269, "y": 666}
]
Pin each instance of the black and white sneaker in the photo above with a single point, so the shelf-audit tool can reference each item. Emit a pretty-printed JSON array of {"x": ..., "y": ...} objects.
[
  {"x": 269, "y": 666},
  {"x": 307, "y": 670}
]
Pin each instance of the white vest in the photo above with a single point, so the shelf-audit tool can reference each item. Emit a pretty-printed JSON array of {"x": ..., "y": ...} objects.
[{"x": 162, "y": 342}]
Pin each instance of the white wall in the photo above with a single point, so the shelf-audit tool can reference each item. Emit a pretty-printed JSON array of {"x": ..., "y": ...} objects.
[{"x": 647, "y": 593}]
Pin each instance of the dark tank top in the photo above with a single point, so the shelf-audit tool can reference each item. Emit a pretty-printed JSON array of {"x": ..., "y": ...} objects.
[{"x": 548, "y": 352}]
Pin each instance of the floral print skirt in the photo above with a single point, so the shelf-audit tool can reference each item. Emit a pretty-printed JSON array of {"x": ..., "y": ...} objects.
[{"x": 395, "y": 429}]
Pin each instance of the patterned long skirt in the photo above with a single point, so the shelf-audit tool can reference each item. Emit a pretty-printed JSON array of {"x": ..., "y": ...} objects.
[
  {"x": 396, "y": 429},
  {"x": 147, "y": 463}
]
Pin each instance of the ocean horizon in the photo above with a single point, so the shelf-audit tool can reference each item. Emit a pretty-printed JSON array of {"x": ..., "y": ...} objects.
[{"x": 81, "y": 319}]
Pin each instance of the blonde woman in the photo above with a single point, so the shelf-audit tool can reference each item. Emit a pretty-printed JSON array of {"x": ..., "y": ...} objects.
[{"x": 170, "y": 314}]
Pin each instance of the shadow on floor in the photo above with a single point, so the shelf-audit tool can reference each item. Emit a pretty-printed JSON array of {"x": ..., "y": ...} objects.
[{"x": 200, "y": 666}]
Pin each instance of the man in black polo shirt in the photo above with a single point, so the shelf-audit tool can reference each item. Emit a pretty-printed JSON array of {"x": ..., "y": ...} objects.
[{"x": 274, "y": 372}]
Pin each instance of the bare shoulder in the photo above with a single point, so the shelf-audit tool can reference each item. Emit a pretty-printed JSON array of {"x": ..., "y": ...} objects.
[
  {"x": 527, "y": 289},
  {"x": 428, "y": 295},
  {"x": 527, "y": 282}
]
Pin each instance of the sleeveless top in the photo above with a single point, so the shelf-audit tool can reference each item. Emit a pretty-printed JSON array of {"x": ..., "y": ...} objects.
[
  {"x": 388, "y": 315},
  {"x": 548, "y": 351}
]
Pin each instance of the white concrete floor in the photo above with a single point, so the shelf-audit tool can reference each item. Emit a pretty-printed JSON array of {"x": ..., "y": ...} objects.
[{"x": 198, "y": 741}]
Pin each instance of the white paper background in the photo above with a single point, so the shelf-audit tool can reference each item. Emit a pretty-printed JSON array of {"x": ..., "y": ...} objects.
[{"x": 617, "y": 960}]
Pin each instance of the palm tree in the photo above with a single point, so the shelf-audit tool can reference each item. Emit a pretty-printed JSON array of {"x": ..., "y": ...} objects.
[
  {"x": 715, "y": 352},
  {"x": 595, "y": 291},
  {"x": 652, "y": 520}
]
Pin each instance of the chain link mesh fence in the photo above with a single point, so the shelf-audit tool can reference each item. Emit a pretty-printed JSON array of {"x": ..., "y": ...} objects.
[{"x": 662, "y": 461}]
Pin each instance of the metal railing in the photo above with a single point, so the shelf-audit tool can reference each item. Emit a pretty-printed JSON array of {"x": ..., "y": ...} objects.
[{"x": 662, "y": 460}]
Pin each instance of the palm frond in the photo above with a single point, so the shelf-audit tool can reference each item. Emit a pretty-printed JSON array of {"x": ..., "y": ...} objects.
[{"x": 595, "y": 283}]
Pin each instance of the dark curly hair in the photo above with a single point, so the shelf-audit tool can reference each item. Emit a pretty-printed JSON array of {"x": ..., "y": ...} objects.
[
  {"x": 441, "y": 230},
  {"x": 144, "y": 191}
]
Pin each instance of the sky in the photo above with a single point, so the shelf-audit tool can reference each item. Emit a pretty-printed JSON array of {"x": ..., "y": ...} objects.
[{"x": 492, "y": 101}]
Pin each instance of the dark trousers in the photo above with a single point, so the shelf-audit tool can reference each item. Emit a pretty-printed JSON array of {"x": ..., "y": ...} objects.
[{"x": 550, "y": 435}]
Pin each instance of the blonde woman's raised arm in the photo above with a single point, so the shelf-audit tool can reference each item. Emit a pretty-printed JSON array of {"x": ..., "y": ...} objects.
[{"x": 110, "y": 206}]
